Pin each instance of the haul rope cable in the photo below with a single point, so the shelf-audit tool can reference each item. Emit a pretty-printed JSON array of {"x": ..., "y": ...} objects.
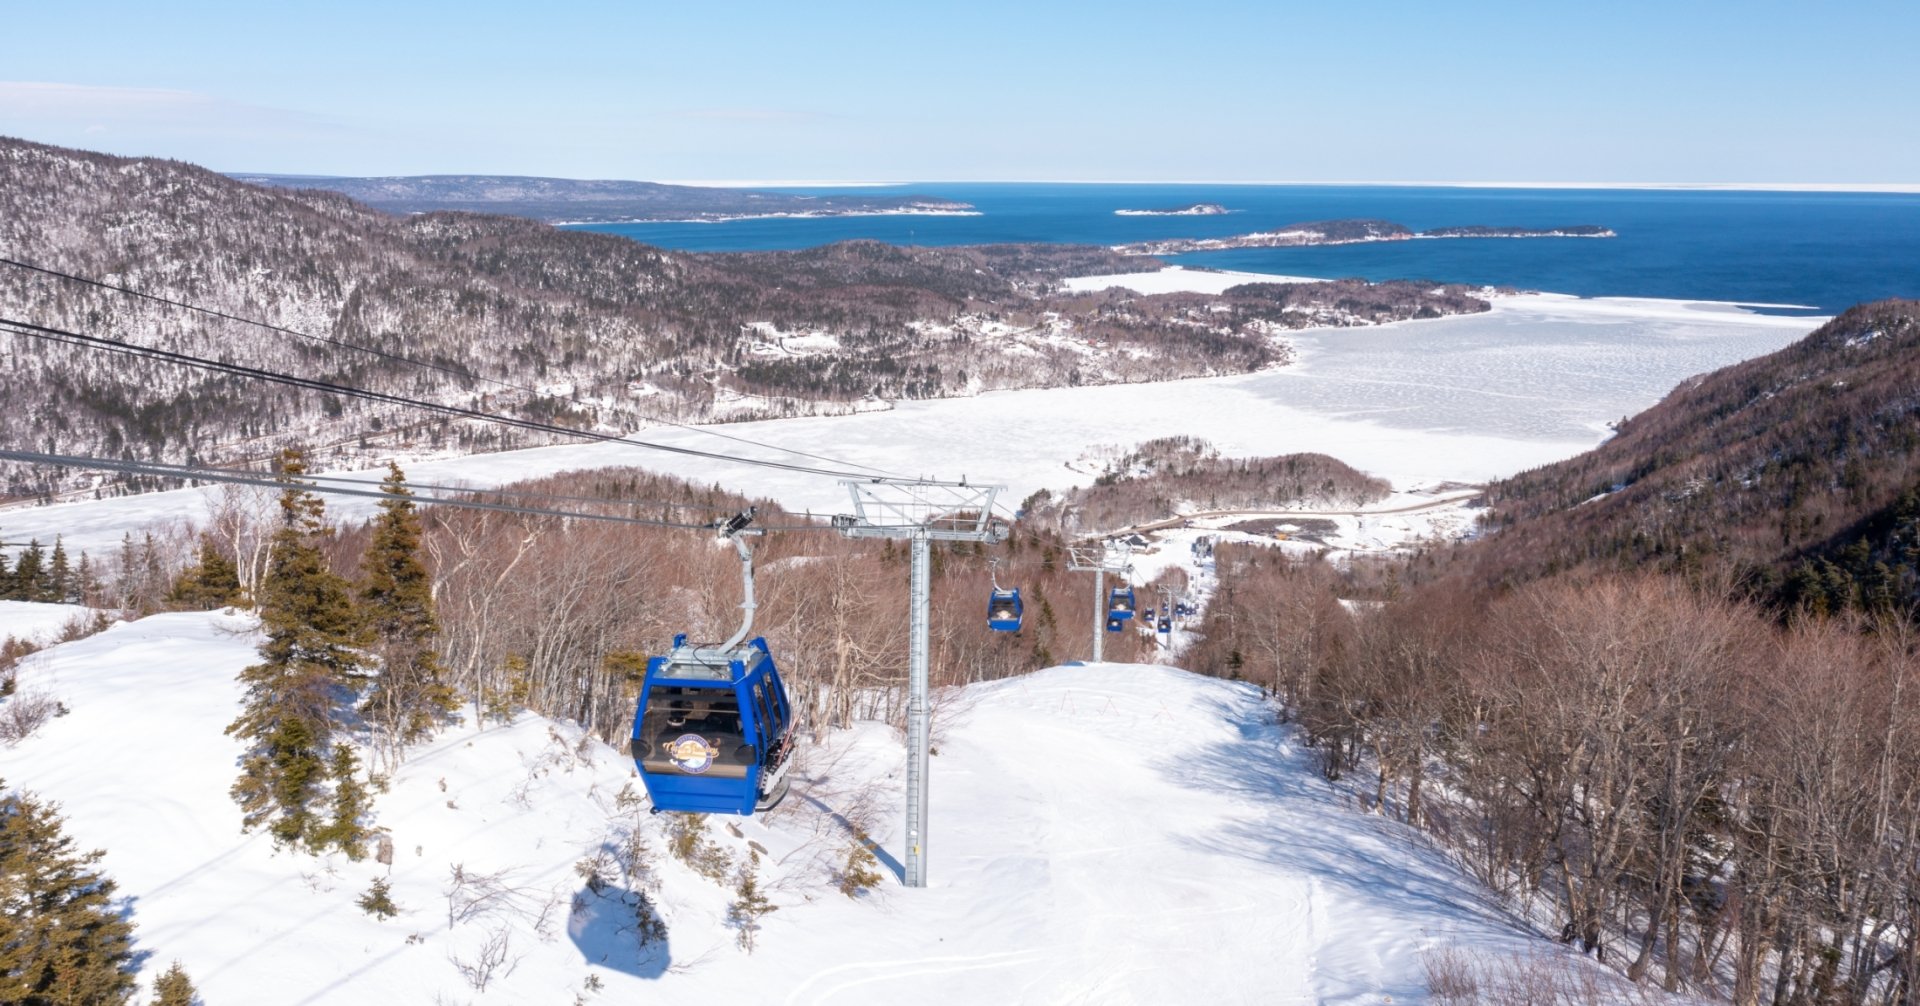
[
  {"x": 460, "y": 372},
  {"x": 49, "y": 334},
  {"x": 269, "y": 481},
  {"x": 523, "y": 493},
  {"x": 485, "y": 491}
]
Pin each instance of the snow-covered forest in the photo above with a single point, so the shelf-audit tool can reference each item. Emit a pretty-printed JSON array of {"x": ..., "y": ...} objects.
[{"x": 512, "y": 315}]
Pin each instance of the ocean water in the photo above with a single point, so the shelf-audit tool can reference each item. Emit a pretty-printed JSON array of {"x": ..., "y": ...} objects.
[{"x": 1823, "y": 251}]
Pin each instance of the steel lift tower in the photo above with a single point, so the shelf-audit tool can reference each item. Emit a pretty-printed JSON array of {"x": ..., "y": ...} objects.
[
  {"x": 920, "y": 511},
  {"x": 1113, "y": 557}
]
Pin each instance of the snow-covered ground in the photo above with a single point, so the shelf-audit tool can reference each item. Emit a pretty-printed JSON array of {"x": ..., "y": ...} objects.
[
  {"x": 1099, "y": 834},
  {"x": 1460, "y": 399},
  {"x": 1178, "y": 279},
  {"x": 38, "y": 623}
]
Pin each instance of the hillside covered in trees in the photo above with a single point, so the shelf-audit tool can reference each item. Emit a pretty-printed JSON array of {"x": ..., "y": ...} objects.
[
  {"x": 556, "y": 200},
  {"x": 1666, "y": 698},
  {"x": 1174, "y": 475},
  {"x": 1795, "y": 476},
  {"x": 507, "y": 314}
]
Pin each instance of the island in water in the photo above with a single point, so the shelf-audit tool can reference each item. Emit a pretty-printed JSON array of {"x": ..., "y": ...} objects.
[
  {"x": 1341, "y": 232},
  {"x": 1192, "y": 210},
  {"x": 582, "y": 201}
]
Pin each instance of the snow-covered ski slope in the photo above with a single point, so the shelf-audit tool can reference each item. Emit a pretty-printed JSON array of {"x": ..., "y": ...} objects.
[{"x": 1099, "y": 834}]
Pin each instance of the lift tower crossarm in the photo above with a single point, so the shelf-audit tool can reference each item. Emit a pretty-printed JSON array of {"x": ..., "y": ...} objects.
[{"x": 920, "y": 511}]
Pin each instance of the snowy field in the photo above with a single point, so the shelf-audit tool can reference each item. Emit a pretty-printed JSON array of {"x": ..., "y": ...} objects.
[
  {"x": 38, "y": 623},
  {"x": 1099, "y": 834},
  {"x": 1179, "y": 279},
  {"x": 1422, "y": 403}
]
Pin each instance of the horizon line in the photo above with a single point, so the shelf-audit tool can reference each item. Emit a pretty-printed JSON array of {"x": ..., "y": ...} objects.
[
  {"x": 1890, "y": 188},
  {"x": 1894, "y": 188}
]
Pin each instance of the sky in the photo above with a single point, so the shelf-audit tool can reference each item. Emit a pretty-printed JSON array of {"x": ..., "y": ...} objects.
[{"x": 1622, "y": 92}]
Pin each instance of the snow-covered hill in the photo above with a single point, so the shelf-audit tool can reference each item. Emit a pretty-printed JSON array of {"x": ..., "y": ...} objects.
[
  {"x": 38, "y": 623},
  {"x": 1108, "y": 833}
]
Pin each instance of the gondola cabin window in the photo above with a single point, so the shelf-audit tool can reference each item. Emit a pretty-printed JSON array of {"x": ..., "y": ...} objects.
[
  {"x": 767, "y": 719},
  {"x": 695, "y": 731}
]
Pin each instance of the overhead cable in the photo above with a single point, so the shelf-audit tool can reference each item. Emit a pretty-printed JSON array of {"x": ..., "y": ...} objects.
[
  {"x": 272, "y": 482},
  {"x": 62, "y": 336},
  {"x": 460, "y": 372},
  {"x": 324, "y": 486}
]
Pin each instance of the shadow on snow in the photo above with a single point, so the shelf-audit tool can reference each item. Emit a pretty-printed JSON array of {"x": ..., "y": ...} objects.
[
  {"x": 606, "y": 927},
  {"x": 1297, "y": 823}
]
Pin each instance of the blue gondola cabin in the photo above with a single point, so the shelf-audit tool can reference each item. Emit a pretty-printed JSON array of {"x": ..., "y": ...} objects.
[
  {"x": 1120, "y": 603},
  {"x": 1004, "y": 610},
  {"x": 711, "y": 734}
]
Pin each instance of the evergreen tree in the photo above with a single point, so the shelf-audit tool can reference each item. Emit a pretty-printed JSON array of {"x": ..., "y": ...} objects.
[
  {"x": 153, "y": 577},
  {"x": 213, "y": 581},
  {"x": 411, "y": 694},
  {"x": 59, "y": 574},
  {"x": 31, "y": 582},
  {"x": 749, "y": 904},
  {"x": 350, "y": 804},
  {"x": 61, "y": 940},
  {"x": 142, "y": 581},
  {"x": 378, "y": 901},
  {"x": 87, "y": 583},
  {"x": 6, "y": 579},
  {"x": 126, "y": 587},
  {"x": 174, "y": 988},
  {"x": 861, "y": 870},
  {"x": 648, "y": 927},
  {"x": 510, "y": 696},
  {"x": 308, "y": 661}
]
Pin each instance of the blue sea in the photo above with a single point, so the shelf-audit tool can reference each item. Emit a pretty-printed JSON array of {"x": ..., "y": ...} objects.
[{"x": 1823, "y": 251}]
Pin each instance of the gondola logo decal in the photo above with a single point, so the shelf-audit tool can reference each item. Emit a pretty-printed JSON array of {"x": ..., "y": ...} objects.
[{"x": 690, "y": 753}]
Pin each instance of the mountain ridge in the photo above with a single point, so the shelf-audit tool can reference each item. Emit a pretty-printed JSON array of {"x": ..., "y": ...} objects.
[{"x": 570, "y": 200}]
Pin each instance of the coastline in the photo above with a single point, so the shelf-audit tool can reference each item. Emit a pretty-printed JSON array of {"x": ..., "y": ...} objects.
[
  {"x": 1200, "y": 210},
  {"x": 1310, "y": 237},
  {"x": 1180, "y": 279},
  {"x": 803, "y": 215},
  {"x": 1888, "y": 188}
]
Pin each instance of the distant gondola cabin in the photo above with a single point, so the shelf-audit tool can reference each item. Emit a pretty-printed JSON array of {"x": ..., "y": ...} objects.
[
  {"x": 1120, "y": 604},
  {"x": 1004, "y": 610}
]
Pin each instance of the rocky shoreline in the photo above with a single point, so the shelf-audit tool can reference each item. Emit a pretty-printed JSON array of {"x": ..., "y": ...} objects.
[{"x": 1339, "y": 232}]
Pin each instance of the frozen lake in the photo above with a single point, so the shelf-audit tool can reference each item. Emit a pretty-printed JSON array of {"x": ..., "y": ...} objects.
[
  {"x": 1536, "y": 368},
  {"x": 1461, "y": 399}
]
